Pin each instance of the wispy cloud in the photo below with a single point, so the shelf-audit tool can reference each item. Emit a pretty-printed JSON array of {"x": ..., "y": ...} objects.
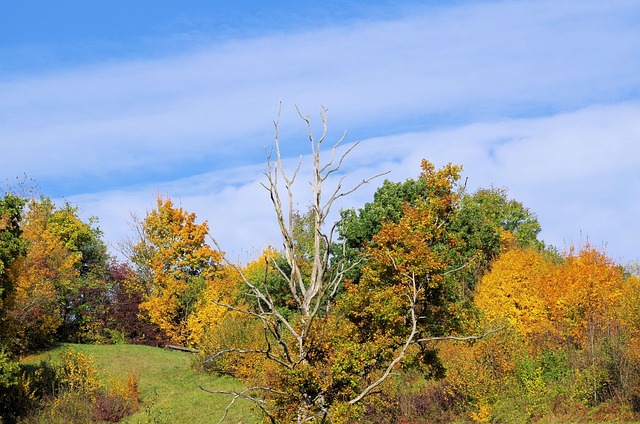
[
  {"x": 577, "y": 171},
  {"x": 453, "y": 64}
]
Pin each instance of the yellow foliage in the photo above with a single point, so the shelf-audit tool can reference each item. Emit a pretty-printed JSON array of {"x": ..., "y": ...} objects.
[
  {"x": 77, "y": 372},
  {"x": 176, "y": 265},
  {"x": 508, "y": 240},
  {"x": 215, "y": 328},
  {"x": 541, "y": 300},
  {"x": 483, "y": 414},
  {"x": 481, "y": 371},
  {"x": 515, "y": 290},
  {"x": 208, "y": 316}
]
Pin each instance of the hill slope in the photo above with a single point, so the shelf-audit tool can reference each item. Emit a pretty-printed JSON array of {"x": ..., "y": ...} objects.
[{"x": 169, "y": 386}]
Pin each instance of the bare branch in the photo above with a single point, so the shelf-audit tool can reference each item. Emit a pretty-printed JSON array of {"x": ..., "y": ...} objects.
[
  {"x": 243, "y": 395},
  {"x": 260, "y": 296},
  {"x": 236, "y": 309},
  {"x": 267, "y": 353},
  {"x": 460, "y": 268},
  {"x": 333, "y": 151},
  {"x": 461, "y": 338},
  {"x": 413, "y": 297},
  {"x": 336, "y": 195}
]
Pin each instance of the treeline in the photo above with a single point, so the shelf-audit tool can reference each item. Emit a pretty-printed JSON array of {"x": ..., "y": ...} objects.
[
  {"x": 432, "y": 304},
  {"x": 58, "y": 282}
]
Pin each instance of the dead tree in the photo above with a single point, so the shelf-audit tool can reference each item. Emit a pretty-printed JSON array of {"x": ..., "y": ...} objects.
[{"x": 288, "y": 342}]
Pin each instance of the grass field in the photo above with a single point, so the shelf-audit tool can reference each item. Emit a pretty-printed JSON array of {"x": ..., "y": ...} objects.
[{"x": 170, "y": 388}]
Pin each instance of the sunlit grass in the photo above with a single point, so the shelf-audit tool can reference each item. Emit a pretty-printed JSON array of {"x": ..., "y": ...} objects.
[{"x": 170, "y": 388}]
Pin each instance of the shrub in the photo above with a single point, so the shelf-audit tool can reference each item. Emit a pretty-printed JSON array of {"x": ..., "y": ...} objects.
[{"x": 119, "y": 399}]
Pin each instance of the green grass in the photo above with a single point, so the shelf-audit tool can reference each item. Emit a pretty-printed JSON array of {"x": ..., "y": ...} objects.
[{"x": 170, "y": 388}]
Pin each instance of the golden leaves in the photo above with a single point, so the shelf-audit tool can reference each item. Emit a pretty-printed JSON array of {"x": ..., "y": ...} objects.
[
  {"x": 174, "y": 255},
  {"x": 540, "y": 298},
  {"x": 514, "y": 290}
]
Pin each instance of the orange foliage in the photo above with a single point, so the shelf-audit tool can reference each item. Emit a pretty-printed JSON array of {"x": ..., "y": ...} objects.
[
  {"x": 419, "y": 247},
  {"x": 589, "y": 287}
]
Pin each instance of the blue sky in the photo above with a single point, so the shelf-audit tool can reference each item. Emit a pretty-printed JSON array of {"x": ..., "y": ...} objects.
[{"x": 106, "y": 104}]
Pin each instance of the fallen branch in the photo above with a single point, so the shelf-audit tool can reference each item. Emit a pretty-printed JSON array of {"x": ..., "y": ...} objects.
[{"x": 182, "y": 349}]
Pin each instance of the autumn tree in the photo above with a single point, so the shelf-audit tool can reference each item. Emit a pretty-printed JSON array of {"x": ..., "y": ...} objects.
[
  {"x": 520, "y": 289},
  {"x": 174, "y": 264},
  {"x": 44, "y": 277},
  {"x": 590, "y": 288},
  {"x": 541, "y": 297},
  {"x": 417, "y": 250},
  {"x": 439, "y": 243},
  {"x": 357, "y": 227}
]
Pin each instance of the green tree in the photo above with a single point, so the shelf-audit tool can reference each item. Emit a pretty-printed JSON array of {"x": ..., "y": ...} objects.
[
  {"x": 12, "y": 246},
  {"x": 83, "y": 240},
  {"x": 488, "y": 222},
  {"x": 82, "y": 237}
]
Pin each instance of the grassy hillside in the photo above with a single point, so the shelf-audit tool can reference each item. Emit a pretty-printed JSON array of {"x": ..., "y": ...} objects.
[{"x": 170, "y": 388}]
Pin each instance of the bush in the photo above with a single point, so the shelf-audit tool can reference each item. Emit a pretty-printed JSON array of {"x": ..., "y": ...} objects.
[{"x": 118, "y": 400}]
